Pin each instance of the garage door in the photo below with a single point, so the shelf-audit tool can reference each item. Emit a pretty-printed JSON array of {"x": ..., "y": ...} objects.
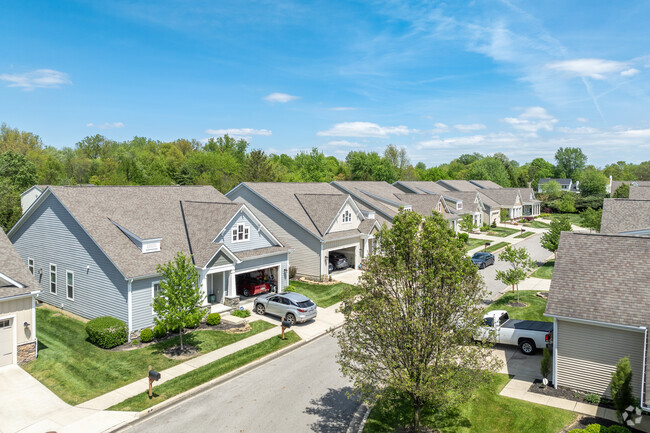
[{"x": 6, "y": 342}]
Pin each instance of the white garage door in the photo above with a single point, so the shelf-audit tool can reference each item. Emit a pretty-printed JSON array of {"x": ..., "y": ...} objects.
[{"x": 6, "y": 342}]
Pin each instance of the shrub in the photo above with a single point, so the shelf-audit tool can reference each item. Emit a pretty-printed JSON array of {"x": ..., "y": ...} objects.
[
  {"x": 544, "y": 215},
  {"x": 159, "y": 331},
  {"x": 594, "y": 428},
  {"x": 485, "y": 228},
  {"x": 622, "y": 386},
  {"x": 146, "y": 335},
  {"x": 107, "y": 332},
  {"x": 494, "y": 224},
  {"x": 545, "y": 367},
  {"x": 194, "y": 322},
  {"x": 134, "y": 342},
  {"x": 615, "y": 429},
  {"x": 463, "y": 237},
  {"x": 592, "y": 398},
  {"x": 213, "y": 319},
  {"x": 292, "y": 272},
  {"x": 241, "y": 313}
]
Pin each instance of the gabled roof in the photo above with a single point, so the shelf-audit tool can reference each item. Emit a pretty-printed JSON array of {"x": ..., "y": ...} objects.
[
  {"x": 632, "y": 183},
  {"x": 322, "y": 209},
  {"x": 560, "y": 181},
  {"x": 623, "y": 215},
  {"x": 15, "y": 278},
  {"x": 504, "y": 197},
  {"x": 527, "y": 195},
  {"x": 421, "y": 186},
  {"x": 640, "y": 193},
  {"x": 486, "y": 184},
  {"x": 379, "y": 196},
  {"x": 469, "y": 199},
  {"x": 458, "y": 185},
  {"x": 602, "y": 278},
  {"x": 424, "y": 204}
]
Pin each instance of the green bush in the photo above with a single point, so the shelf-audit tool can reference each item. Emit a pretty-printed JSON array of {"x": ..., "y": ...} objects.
[
  {"x": 241, "y": 313},
  {"x": 594, "y": 428},
  {"x": 292, "y": 272},
  {"x": 545, "y": 367},
  {"x": 107, "y": 332},
  {"x": 146, "y": 335},
  {"x": 485, "y": 228},
  {"x": 159, "y": 331},
  {"x": 615, "y": 429},
  {"x": 195, "y": 323},
  {"x": 213, "y": 319},
  {"x": 463, "y": 237},
  {"x": 544, "y": 215},
  {"x": 494, "y": 224},
  {"x": 622, "y": 386},
  {"x": 592, "y": 398}
]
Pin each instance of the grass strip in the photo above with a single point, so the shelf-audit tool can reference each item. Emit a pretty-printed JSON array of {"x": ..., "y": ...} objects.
[
  {"x": 501, "y": 232},
  {"x": 537, "y": 225},
  {"x": 524, "y": 235},
  {"x": 475, "y": 243},
  {"x": 206, "y": 373},
  {"x": 534, "y": 309},
  {"x": 545, "y": 271},
  {"x": 497, "y": 246},
  {"x": 324, "y": 295}
]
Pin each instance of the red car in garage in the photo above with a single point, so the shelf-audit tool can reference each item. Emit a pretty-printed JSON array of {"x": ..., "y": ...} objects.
[{"x": 249, "y": 286}]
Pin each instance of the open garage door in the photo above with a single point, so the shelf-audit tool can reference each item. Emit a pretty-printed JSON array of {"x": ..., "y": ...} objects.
[
  {"x": 257, "y": 282},
  {"x": 342, "y": 258}
]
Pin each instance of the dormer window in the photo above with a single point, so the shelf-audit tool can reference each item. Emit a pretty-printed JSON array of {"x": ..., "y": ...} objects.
[
  {"x": 347, "y": 216},
  {"x": 459, "y": 205},
  {"x": 240, "y": 233},
  {"x": 150, "y": 245}
]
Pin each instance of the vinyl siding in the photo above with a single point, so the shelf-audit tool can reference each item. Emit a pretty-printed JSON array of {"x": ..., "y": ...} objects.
[
  {"x": 141, "y": 296},
  {"x": 221, "y": 259},
  {"x": 587, "y": 356},
  {"x": 51, "y": 235},
  {"x": 340, "y": 226},
  {"x": 307, "y": 248},
  {"x": 257, "y": 238},
  {"x": 22, "y": 308}
]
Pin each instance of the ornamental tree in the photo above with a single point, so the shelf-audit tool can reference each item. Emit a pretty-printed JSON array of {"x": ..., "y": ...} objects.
[
  {"x": 178, "y": 303},
  {"x": 466, "y": 223},
  {"x": 551, "y": 239},
  {"x": 520, "y": 265},
  {"x": 409, "y": 332}
]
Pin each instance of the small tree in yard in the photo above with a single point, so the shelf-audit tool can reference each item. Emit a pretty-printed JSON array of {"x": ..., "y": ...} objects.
[
  {"x": 622, "y": 191},
  {"x": 409, "y": 332},
  {"x": 591, "y": 218},
  {"x": 551, "y": 239},
  {"x": 504, "y": 214},
  {"x": 466, "y": 223},
  {"x": 622, "y": 386},
  {"x": 545, "y": 367},
  {"x": 178, "y": 303},
  {"x": 520, "y": 265}
]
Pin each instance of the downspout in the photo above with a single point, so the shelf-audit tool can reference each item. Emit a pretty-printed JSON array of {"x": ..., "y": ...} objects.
[
  {"x": 643, "y": 373},
  {"x": 130, "y": 306},
  {"x": 555, "y": 353}
]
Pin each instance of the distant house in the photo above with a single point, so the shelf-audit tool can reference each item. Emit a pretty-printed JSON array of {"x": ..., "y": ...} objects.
[
  {"x": 18, "y": 287},
  {"x": 314, "y": 219},
  {"x": 600, "y": 304},
  {"x": 519, "y": 201},
  {"x": 626, "y": 216},
  {"x": 28, "y": 197},
  {"x": 565, "y": 184},
  {"x": 640, "y": 193},
  {"x": 385, "y": 200},
  {"x": 96, "y": 248},
  {"x": 613, "y": 185}
]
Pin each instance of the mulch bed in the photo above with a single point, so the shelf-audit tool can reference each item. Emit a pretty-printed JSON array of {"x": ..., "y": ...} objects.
[
  {"x": 585, "y": 420},
  {"x": 176, "y": 352},
  {"x": 566, "y": 393}
]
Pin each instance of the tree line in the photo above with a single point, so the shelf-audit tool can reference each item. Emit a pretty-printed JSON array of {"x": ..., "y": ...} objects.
[{"x": 224, "y": 162}]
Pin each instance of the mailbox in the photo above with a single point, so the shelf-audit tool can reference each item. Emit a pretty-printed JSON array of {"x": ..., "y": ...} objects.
[
  {"x": 286, "y": 324},
  {"x": 154, "y": 375}
]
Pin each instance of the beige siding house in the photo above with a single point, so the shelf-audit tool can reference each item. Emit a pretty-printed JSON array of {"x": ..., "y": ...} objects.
[
  {"x": 17, "y": 315},
  {"x": 600, "y": 304}
]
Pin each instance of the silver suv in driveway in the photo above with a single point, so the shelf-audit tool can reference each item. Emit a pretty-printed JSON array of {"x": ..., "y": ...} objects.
[{"x": 294, "y": 307}]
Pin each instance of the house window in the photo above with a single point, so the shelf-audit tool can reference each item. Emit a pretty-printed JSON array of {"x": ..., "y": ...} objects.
[
  {"x": 459, "y": 205},
  {"x": 347, "y": 216},
  {"x": 69, "y": 285},
  {"x": 53, "y": 279},
  {"x": 240, "y": 233},
  {"x": 5, "y": 323},
  {"x": 30, "y": 265}
]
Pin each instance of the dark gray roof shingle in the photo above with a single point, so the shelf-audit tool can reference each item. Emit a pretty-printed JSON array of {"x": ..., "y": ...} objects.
[
  {"x": 423, "y": 204},
  {"x": 640, "y": 193},
  {"x": 422, "y": 186},
  {"x": 322, "y": 209},
  {"x": 622, "y": 215},
  {"x": 486, "y": 184},
  {"x": 458, "y": 185},
  {"x": 12, "y": 266}
]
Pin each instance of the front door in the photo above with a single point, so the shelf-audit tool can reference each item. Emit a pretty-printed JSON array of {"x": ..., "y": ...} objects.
[
  {"x": 6, "y": 342},
  {"x": 216, "y": 288}
]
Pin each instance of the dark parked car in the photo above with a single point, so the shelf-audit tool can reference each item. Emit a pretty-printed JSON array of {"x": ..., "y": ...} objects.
[
  {"x": 337, "y": 261},
  {"x": 482, "y": 259}
]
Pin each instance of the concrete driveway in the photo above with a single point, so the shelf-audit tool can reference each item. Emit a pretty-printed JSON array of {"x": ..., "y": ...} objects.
[
  {"x": 516, "y": 363},
  {"x": 28, "y": 406},
  {"x": 349, "y": 276}
]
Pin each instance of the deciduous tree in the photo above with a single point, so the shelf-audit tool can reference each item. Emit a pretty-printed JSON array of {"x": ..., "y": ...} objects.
[
  {"x": 570, "y": 161},
  {"x": 622, "y": 191},
  {"x": 466, "y": 223},
  {"x": 520, "y": 265},
  {"x": 551, "y": 239},
  {"x": 591, "y": 218}
]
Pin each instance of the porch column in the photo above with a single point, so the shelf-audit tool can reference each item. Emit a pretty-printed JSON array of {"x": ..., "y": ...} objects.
[
  {"x": 232, "y": 290},
  {"x": 203, "y": 286}
]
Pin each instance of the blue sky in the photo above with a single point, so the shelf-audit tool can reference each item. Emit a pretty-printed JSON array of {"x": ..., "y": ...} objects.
[{"x": 440, "y": 79}]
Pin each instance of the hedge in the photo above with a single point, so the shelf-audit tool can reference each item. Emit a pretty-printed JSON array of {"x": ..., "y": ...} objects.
[{"x": 107, "y": 332}]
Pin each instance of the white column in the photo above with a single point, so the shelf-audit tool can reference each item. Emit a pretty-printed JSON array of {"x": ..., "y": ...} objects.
[
  {"x": 203, "y": 286},
  {"x": 232, "y": 290}
]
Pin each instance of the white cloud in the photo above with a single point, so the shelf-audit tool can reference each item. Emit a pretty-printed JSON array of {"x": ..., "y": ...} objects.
[
  {"x": 239, "y": 132},
  {"x": 282, "y": 98},
  {"x": 629, "y": 72},
  {"x": 345, "y": 143},
  {"x": 364, "y": 129},
  {"x": 343, "y": 108},
  {"x": 106, "y": 125},
  {"x": 582, "y": 119},
  {"x": 532, "y": 120},
  {"x": 439, "y": 128},
  {"x": 578, "y": 130},
  {"x": 597, "y": 69},
  {"x": 40, "y": 78},
  {"x": 471, "y": 127}
]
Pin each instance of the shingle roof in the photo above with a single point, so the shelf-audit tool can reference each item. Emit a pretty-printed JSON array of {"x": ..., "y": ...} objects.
[
  {"x": 423, "y": 204},
  {"x": 622, "y": 215},
  {"x": 548, "y": 179},
  {"x": 506, "y": 197},
  {"x": 468, "y": 198},
  {"x": 146, "y": 211},
  {"x": 322, "y": 209},
  {"x": 458, "y": 185},
  {"x": 370, "y": 191},
  {"x": 486, "y": 184},
  {"x": 243, "y": 255},
  {"x": 527, "y": 194},
  {"x": 633, "y": 183},
  {"x": 640, "y": 193},
  {"x": 423, "y": 186},
  {"x": 602, "y": 278},
  {"x": 12, "y": 266}
]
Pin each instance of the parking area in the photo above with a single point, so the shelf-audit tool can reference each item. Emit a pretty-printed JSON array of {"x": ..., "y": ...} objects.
[
  {"x": 516, "y": 363},
  {"x": 342, "y": 258},
  {"x": 256, "y": 282}
]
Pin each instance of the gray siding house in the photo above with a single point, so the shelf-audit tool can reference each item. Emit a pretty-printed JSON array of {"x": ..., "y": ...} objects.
[
  {"x": 95, "y": 249},
  {"x": 600, "y": 304},
  {"x": 313, "y": 219}
]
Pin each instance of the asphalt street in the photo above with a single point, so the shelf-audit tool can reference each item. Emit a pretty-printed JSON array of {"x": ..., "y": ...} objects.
[
  {"x": 302, "y": 391},
  {"x": 536, "y": 251}
]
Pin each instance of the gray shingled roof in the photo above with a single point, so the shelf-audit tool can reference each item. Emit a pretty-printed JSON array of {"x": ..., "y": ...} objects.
[
  {"x": 602, "y": 278},
  {"x": 486, "y": 184},
  {"x": 423, "y": 186},
  {"x": 146, "y": 211},
  {"x": 528, "y": 195},
  {"x": 632, "y": 183},
  {"x": 458, "y": 185},
  {"x": 622, "y": 215},
  {"x": 505, "y": 197},
  {"x": 368, "y": 191},
  {"x": 640, "y": 193},
  {"x": 468, "y": 198},
  {"x": 12, "y": 265},
  {"x": 322, "y": 209},
  {"x": 423, "y": 204},
  {"x": 548, "y": 179}
]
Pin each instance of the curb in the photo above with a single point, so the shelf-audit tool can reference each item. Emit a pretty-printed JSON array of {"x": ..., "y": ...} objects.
[
  {"x": 359, "y": 419},
  {"x": 190, "y": 393}
]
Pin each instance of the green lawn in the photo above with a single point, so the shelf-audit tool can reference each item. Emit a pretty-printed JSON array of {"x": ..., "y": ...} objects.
[
  {"x": 537, "y": 225},
  {"x": 487, "y": 413},
  {"x": 524, "y": 235},
  {"x": 324, "y": 295},
  {"x": 574, "y": 218},
  {"x": 77, "y": 370},
  {"x": 474, "y": 243},
  {"x": 501, "y": 232},
  {"x": 545, "y": 271},
  {"x": 497, "y": 246},
  {"x": 206, "y": 373},
  {"x": 533, "y": 311}
]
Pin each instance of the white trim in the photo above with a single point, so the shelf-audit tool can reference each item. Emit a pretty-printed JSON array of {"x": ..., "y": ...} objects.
[
  {"x": 261, "y": 256},
  {"x": 643, "y": 378},
  {"x": 56, "y": 277},
  {"x": 153, "y": 294},
  {"x": 555, "y": 352},
  {"x": 245, "y": 271},
  {"x": 597, "y": 323},
  {"x": 245, "y": 232},
  {"x": 11, "y": 281},
  {"x": 346, "y": 217},
  {"x": 32, "y": 270},
  {"x": 251, "y": 215},
  {"x": 348, "y": 200},
  {"x": 66, "y": 285},
  {"x": 129, "y": 305},
  {"x": 227, "y": 252},
  {"x": 12, "y": 317},
  {"x": 34, "y": 323},
  {"x": 23, "y": 295},
  {"x": 31, "y": 188}
]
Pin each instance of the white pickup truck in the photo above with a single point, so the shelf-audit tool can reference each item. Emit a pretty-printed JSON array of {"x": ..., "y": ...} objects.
[{"x": 527, "y": 334}]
